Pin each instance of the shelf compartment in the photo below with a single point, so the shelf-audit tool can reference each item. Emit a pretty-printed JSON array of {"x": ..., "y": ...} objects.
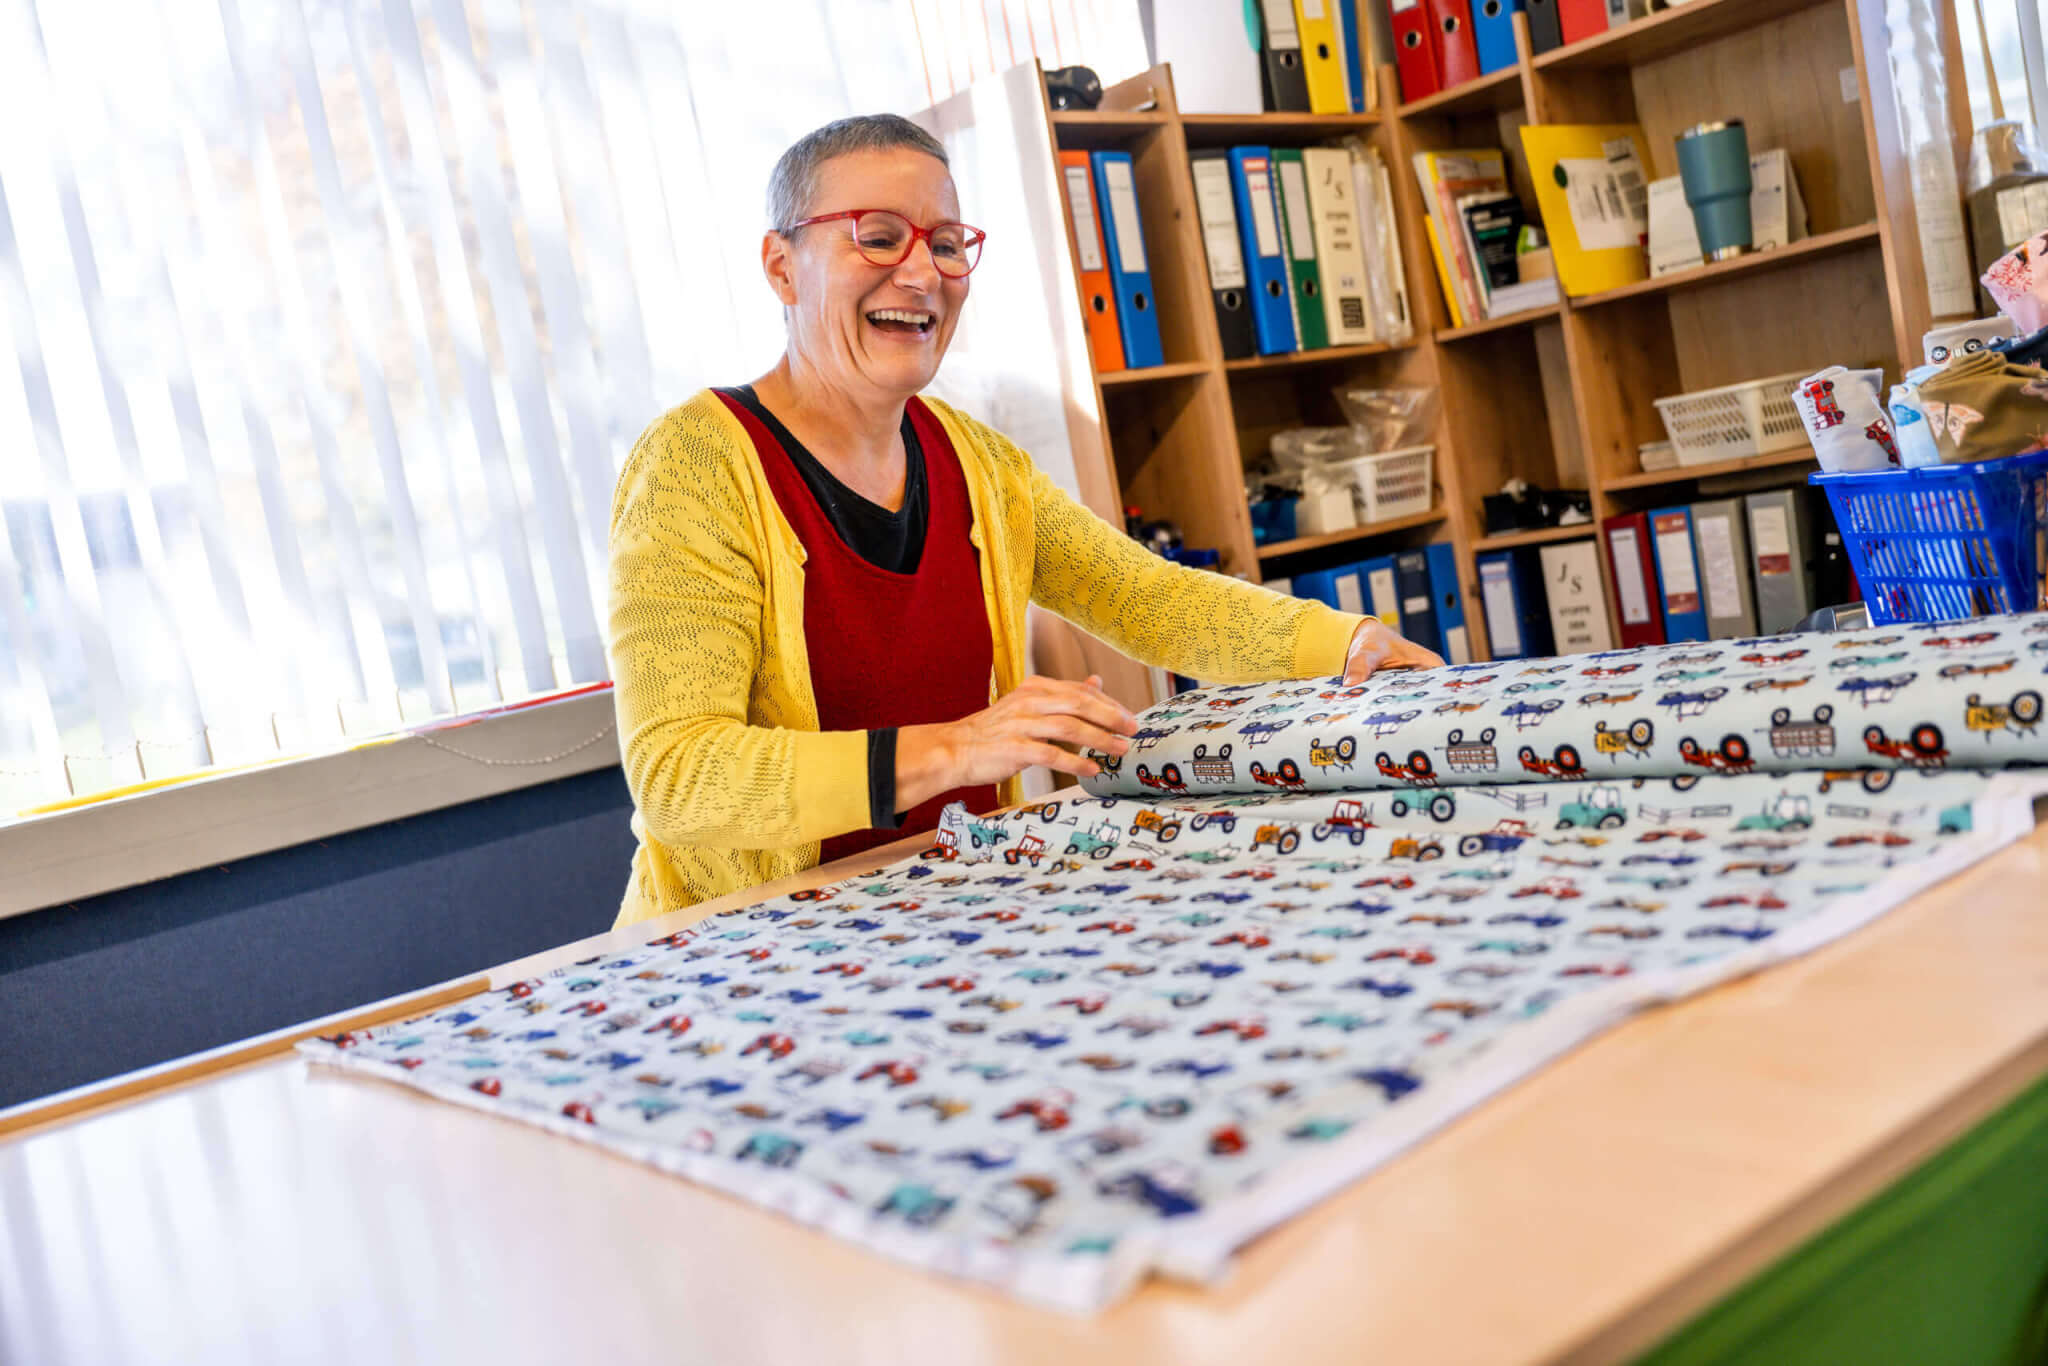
[
  {"x": 1502, "y": 90},
  {"x": 1649, "y": 479},
  {"x": 1660, "y": 35},
  {"x": 1523, "y": 319},
  {"x": 1223, "y": 130},
  {"x": 1176, "y": 370},
  {"x": 1299, "y": 544},
  {"x": 1321, "y": 356},
  {"x": 1547, "y": 535},
  {"x": 1806, "y": 249}
]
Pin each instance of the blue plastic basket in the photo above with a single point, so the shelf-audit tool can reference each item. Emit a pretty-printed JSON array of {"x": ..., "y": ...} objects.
[{"x": 1946, "y": 542}]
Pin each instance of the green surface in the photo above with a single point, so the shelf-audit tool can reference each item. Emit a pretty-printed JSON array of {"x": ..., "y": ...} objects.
[{"x": 1948, "y": 1265}]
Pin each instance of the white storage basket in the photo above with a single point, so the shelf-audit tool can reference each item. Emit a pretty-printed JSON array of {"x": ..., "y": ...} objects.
[
  {"x": 1394, "y": 483},
  {"x": 1735, "y": 421}
]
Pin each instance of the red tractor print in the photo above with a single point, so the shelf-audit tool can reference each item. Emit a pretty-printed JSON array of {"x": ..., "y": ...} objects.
[
  {"x": 778, "y": 1046},
  {"x": 1921, "y": 749},
  {"x": 1245, "y": 1028},
  {"x": 1167, "y": 779},
  {"x": 896, "y": 1073},
  {"x": 1563, "y": 763},
  {"x": 1029, "y": 849},
  {"x": 1882, "y": 435},
  {"x": 1287, "y": 775},
  {"x": 1821, "y": 394},
  {"x": 1731, "y": 756},
  {"x": 1418, "y": 771},
  {"x": 1420, "y": 958},
  {"x": 1251, "y": 939},
  {"x": 1348, "y": 818},
  {"x": 1048, "y": 1109},
  {"x": 956, "y": 985},
  {"x": 947, "y": 847}
]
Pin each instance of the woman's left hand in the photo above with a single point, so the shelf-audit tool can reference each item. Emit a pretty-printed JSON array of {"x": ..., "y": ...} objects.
[{"x": 1374, "y": 645}]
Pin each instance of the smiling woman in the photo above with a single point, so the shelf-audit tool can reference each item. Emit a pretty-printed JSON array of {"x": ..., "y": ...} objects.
[{"x": 818, "y": 581}]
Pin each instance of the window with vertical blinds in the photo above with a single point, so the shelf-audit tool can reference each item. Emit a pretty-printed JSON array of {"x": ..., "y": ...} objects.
[{"x": 325, "y": 324}]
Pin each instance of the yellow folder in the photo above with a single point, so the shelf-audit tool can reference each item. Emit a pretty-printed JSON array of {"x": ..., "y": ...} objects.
[
  {"x": 1322, "y": 56},
  {"x": 1592, "y": 188}
]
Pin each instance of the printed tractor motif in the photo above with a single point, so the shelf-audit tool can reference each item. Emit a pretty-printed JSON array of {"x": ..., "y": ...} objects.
[
  {"x": 1922, "y": 748},
  {"x": 1348, "y": 818},
  {"x": 1785, "y": 812},
  {"x": 1599, "y": 809},
  {"x": 1633, "y": 741},
  {"x": 2020, "y": 715},
  {"x": 1338, "y": 754}
]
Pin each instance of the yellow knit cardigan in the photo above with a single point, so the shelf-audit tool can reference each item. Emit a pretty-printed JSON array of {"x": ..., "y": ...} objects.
[{"x": 733, "y": 783}]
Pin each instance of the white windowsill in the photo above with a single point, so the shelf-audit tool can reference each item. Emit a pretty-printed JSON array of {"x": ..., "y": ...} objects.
[{"x": 70, "y": 855}]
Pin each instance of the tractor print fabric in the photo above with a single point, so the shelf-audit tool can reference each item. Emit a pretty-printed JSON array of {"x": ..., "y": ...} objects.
[
  {"x": 1923, "y": 697},
  {"x": 1105, "y": 1037}
]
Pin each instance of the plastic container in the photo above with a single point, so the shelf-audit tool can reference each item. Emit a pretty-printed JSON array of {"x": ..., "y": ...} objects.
[
  {"x": 1273, "y": 520},
  {"x": 1735, "y": 421},
  {"x": 1394, "y": 483},
  {"x": 1946, "y": 542}
]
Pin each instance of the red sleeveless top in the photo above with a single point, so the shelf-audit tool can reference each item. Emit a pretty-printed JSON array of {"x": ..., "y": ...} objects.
[{"x": 890, "y": 649}]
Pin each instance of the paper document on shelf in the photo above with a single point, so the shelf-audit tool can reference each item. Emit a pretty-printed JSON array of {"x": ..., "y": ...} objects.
[{"x": 1607, "y": 196}]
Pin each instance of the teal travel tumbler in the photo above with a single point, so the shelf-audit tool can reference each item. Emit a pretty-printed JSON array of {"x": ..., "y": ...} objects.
[{"x": 1713, "y": 161}]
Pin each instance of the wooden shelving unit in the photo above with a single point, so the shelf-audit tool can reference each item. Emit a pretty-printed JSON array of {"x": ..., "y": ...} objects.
[{"x": 1560, "y": 396}]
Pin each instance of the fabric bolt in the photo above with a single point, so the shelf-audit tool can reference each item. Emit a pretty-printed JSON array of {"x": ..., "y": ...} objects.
[
  {"x": 866, "y": 678},
  {"x": 1107, "y": 1036},
  {"x": 1887, "y": 697},
  {"x": 734, "y": 782},
  {"x": 1984, "y": 407}
]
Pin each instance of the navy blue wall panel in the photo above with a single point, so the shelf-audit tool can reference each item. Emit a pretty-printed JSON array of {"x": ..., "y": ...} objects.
[{"x": 150, "y": 973}]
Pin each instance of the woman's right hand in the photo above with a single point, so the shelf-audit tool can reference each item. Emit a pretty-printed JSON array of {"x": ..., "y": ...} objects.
[{"x": 1027, "y": 725}]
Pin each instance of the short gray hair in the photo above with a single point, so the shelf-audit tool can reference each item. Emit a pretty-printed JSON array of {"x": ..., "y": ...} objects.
[{"x": 794, "y": 182}]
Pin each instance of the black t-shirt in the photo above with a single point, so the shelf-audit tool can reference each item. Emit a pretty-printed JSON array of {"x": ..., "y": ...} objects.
[{"x": 885, "y": 539}]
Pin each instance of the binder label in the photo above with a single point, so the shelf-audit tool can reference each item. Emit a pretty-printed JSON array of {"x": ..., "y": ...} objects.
[
  {"x": 1385, "y": 601},
  {"x": 1635, "y": 604},
  {"x": 1294, "y": 198},
  {"x": 1258, "y": 184},
  {"x": 1349, "y": 597},
  {"x": 1123, "y": 205},
  {"x": 1219, "y": 225},
  {"x": 1772, "y": 540},
  {"x": 1498, "y": 594},
  {"x": 1280, "y": 30},
  {"x": 1674, "y": 559},
  {"x": 1081, "y": 206},
  {"x": 1717, "y": 553}
]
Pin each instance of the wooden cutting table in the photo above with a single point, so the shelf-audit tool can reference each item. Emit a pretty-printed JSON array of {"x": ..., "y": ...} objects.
[{"x": 250, "y": 1207}]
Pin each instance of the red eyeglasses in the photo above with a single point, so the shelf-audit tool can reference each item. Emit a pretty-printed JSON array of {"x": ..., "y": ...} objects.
[{"x": 885, "y": 239}]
